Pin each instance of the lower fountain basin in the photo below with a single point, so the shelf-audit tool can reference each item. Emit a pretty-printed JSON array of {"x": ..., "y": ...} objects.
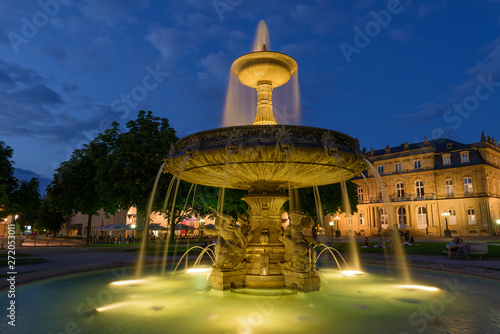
[
  {"x": 369, "y": 303},
  {"x": 266, "y": 157}
]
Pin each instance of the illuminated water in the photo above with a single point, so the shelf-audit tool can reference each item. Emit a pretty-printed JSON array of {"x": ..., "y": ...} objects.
[{"x": 369, "y": 303}]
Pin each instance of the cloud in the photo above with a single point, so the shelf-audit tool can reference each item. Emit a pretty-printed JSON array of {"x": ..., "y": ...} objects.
[
  {"x": 111, "y": 11},
  {"x": 26, "y": 175},
  {"x": 38, "y": 93},
  {"x": 171, "y": 43},
  {"x": 488, "y": 67},
  {"x": 32, "y": 109}
]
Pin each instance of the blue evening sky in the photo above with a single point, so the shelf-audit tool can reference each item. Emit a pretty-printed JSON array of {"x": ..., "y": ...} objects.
[{"x": 381, "y": 71}]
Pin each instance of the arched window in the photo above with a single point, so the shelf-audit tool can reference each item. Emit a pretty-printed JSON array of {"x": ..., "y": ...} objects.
[
  {"x": 401, "y": 215},
  {"x": 449, "y": 187},
  {"x": 383, "y": 216},
  {"x": 471, "y": 216},
  {"x": 452, "y": 219},
  {"x": 421, "y": 217},
  {"x": 419, "y": 188},
  {"x": 400, "y": 189},
  {"x": 468, "y": 186}
]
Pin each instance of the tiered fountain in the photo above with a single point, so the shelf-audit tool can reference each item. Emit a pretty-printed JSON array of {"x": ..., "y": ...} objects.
[{"x": 258, "y": 158}]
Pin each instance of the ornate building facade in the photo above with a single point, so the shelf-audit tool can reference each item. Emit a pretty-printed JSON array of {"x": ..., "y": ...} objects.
[{"x": 429, "y": 187}]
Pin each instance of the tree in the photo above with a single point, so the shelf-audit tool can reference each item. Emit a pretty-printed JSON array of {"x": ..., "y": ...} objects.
[
  {"x": 331, "y": 199},
  {"x": 73, "y": 189},
  {"x": 26, "y": 201},
  {"x": 128, "y": 163},
  {"x": 8, "y": 183},
  {"x": 48, "y": 219}
]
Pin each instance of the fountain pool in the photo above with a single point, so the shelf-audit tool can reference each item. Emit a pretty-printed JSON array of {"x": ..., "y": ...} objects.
[{"x": 370, "y": 303}]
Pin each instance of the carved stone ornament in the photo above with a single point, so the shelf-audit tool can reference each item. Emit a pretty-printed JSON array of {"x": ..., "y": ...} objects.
[
  {"x": 283, "y": 140},
  {"x": 234, "y": 141},
  {"x": 329, "y": 143}
]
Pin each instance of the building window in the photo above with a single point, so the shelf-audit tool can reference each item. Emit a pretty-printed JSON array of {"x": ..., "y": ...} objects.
[
  {"x": 446, "y": 160},
  {"x": 383, "y": 216},
  {"x": 349, "y": 219},
  {"x": 400, "y": 189},
  {"x": 360, "y": 195},
  {"x": 361, "y": 218},
  {"x": 421, "y": 217},
  {"x": 419, "y": 188},
  {"x": 464, "y": 156},
  {"x": 397, "y": 167},
  {"x": 452, "y": 219},
  {"x": 468, "y": 186},
  {"x": 402, "y": 215},
  {"x": 471, "y": 216},
  {"x": 449, "y": 187},
  {"x": 380, "y": 193},
  {"x": 416, "y": 164},
  {"x": 380, "y": 169}
]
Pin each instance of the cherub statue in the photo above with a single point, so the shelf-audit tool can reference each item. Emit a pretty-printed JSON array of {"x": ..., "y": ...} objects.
[
  {"x": 230, "y": 250},
  {"x": 245, "y": 227},
  {"x": 299, "y": 253}
]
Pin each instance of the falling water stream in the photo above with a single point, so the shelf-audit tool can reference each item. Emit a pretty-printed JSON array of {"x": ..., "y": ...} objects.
[
  {"x": 147, "y": 214},
  {"x": 396, "y": 237},
  {"x": 348, "y": 210},
  {"x": 319, "y": 207},
  {"x": 165, "y": 251}
]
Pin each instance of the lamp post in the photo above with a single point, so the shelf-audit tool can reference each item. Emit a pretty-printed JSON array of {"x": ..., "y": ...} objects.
[
  {"x": 337, "y": 221},
  {"x": 498, "y": 225},
  {"x": 447, "y": 232},
  {"x": 133, "y": 226},
  {"x": 331, "y": 230}
]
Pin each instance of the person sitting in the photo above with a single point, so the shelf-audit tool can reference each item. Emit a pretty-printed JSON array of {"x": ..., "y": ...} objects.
[
  {"x": 408, "y": 240},
  {"x": 366, "y": 244},
  {"x": 458, "y": 246}
]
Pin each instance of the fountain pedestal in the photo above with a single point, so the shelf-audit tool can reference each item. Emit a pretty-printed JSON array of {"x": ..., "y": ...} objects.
[{"x": 263, "y": 264}]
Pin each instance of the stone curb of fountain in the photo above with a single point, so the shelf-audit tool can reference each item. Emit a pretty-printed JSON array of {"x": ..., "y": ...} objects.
[
  {"x": 23, "y": 278},
  {"x": 452, "y": 267}
]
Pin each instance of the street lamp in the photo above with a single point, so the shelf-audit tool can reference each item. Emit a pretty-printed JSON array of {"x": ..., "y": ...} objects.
[
  {"x": 337, "y": 220},
  {"x": 447, "y": 232},
  {"x": 331, "y": 230}
]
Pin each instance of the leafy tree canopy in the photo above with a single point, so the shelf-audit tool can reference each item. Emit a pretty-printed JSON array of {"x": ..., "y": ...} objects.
[{"x": 8, "y": 183}]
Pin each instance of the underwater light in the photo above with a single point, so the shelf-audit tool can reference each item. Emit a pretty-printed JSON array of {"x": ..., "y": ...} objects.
[
  {"x": 351, "y": 273},
  {"x": 418, "y": 287},
  {"x": 127, "y": 282},
  {"x": 111, "y": 306}
]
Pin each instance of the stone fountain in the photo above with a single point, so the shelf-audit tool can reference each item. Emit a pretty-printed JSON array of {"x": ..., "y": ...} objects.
[{"x": 266, "y": 159}]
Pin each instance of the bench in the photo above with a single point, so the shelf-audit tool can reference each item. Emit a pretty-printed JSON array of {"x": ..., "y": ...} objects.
[{"x": 479, "y": 249}]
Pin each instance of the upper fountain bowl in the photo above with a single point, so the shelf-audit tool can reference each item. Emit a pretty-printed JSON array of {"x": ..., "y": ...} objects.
[{"x": 264, "y": 66}]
